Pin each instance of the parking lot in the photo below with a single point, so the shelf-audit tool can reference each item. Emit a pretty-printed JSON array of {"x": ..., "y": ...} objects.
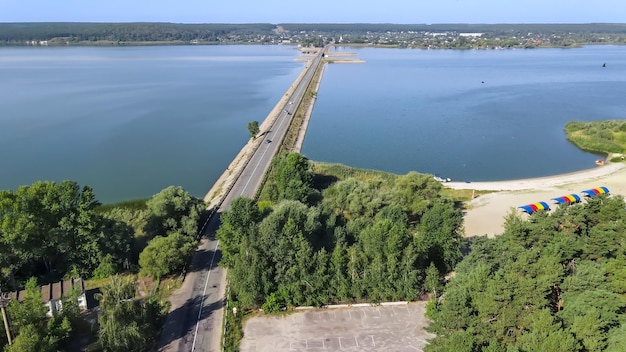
[{"x": 379, "y": 328}]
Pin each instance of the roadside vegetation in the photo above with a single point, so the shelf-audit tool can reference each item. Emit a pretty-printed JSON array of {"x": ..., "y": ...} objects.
[
  {"x": 598, "y": 136},
  {"x": 289, "y": 141},
  {"x": 53, "y": 231},
  {"x": 318, "y": 240},
  {"x": 253, "y": 129},
  {"x": 552, "y": 282}
]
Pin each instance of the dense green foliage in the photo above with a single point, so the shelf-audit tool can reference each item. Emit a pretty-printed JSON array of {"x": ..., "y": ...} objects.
[
  {"x": 359, "y": 240},
  {"x": 598, "y": 136},
  {"x": 53, "y": 230},
  {"x": 173, "y": 210},
  {"x": 32, "y": 330},
  {"x": 551, "y": 283},
  {"x": 233, "y": 322},
  {"x": 253, "y": 129},
  {"x": 163, "y": 255},
  {"x": 50, "y": 230},
  {"x": 290, "y": 177},
  {"x": 126, "y": 323}
]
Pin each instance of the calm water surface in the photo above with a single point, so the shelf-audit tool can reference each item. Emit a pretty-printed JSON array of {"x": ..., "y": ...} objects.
[
  {"x": 469, "y": 115},
  {"x": 131, "y": 121}
]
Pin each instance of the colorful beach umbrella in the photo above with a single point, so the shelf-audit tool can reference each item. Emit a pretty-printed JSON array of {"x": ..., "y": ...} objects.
[
  {"x": 568, "y": 199},
  {"x": 534, "y": 207},
  {"x": 595, "y": 191}
]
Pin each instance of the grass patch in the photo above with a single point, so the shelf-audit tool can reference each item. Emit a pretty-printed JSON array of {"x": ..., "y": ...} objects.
[
  {"x": 168, "y": 285},
  {"x": 325, "y": 174},
  {"x": 165, "y": 285},
  {"x": 342, "y": 172},
  {"x": 233, "y": 323},
  {"x": 463, "y": 195},
  {"x": 605, "y": 137},
  {"x": 135, "y": 204}
]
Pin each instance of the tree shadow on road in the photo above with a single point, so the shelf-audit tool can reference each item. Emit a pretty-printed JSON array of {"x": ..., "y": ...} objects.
[
  {"x": 180, "y": 324},
  {"x": 202, "y": 259}
]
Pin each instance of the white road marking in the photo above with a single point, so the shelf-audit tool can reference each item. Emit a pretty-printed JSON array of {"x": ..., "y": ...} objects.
[{"x": 206, "y": 283}]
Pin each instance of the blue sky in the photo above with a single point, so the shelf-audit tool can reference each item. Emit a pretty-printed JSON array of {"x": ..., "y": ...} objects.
[{"x": 315, "y": 11}]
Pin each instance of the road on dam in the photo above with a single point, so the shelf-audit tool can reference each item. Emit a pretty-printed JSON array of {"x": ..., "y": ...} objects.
[{"x": 194, "y": 322}]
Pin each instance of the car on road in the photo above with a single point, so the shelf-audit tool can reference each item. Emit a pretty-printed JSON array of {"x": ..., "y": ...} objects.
[{"x": 268, "y": 141}]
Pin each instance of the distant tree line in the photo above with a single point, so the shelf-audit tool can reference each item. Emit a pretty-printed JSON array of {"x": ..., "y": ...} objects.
[
  {"x": 354, "y": 240},
  {"x": 550, "y": 283},
  {"x": 130, "y": 32},
  {"x": 317, "y": 34},
  {"x": 500, "y": 29}
]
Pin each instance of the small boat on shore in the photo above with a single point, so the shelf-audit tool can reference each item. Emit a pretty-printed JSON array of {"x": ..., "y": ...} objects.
[
  {"x": 599, "y": 162},
  {"x": 442, "y": 179}
]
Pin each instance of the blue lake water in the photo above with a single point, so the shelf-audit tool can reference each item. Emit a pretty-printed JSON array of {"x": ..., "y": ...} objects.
[
  {"x": 469, "y": 115},
  {"x": 131, "y": 121}
]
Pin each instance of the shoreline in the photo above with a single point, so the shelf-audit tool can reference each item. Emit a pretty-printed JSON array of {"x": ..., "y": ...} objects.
[
  {"x": 484, "y": 215},
  {"x": 543, "y": 181}
]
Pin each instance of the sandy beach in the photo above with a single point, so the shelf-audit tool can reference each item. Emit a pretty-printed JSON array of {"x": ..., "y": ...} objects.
[{"x": 485, "y": 214}]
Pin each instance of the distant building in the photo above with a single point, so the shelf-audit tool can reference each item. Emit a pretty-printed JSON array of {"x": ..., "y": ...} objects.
[
  {"x": 472, "y": 35},
  {"x": 52, "y": 295}
]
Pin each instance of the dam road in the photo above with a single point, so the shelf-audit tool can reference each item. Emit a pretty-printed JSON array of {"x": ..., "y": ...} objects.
[{"x": 194, "y": 322}]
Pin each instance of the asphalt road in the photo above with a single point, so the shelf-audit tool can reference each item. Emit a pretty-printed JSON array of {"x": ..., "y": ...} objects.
[{"x": 195, "y": 323}]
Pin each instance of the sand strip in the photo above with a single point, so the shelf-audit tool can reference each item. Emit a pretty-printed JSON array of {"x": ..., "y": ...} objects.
[{"x": 485, "y": 214}]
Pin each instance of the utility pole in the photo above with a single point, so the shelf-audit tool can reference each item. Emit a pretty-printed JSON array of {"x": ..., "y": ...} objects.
[{"x": 4, "y": 301}]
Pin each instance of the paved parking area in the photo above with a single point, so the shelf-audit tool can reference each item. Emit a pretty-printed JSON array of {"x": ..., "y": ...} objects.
[{"x": 380, "y": 328}]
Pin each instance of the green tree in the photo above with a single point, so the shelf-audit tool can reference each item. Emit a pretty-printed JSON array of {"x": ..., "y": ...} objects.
[
  {"x": 49, "y": 225},
  {"x": 440, "y": 235},
  {"x": 433, "y": 281},
  {"x": 127, "y": 323},
  {"x": 251, "y": 275},
  {"x": 239, "y": 222},
  {"x": 293, "y": 177},
  {"x": 34, "y": 331},
  {"x": 546, "y": 284},
  {"x": 339, "y": 281},
  {"x": 163, "y": 255},
  {"x": 415, "y": 192},
  {"x": 173, "y": 210},
  {"x": 30, "y": 339},
  {"x": 545, "y": 333},
  {"x": 30, "y": 311},
  {"x": 616, "y": 339},
  {"x": 253, "y": 128}
]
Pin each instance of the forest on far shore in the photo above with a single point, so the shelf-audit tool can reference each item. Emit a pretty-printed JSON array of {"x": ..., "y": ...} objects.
[{"x": 318, "y": 34}]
